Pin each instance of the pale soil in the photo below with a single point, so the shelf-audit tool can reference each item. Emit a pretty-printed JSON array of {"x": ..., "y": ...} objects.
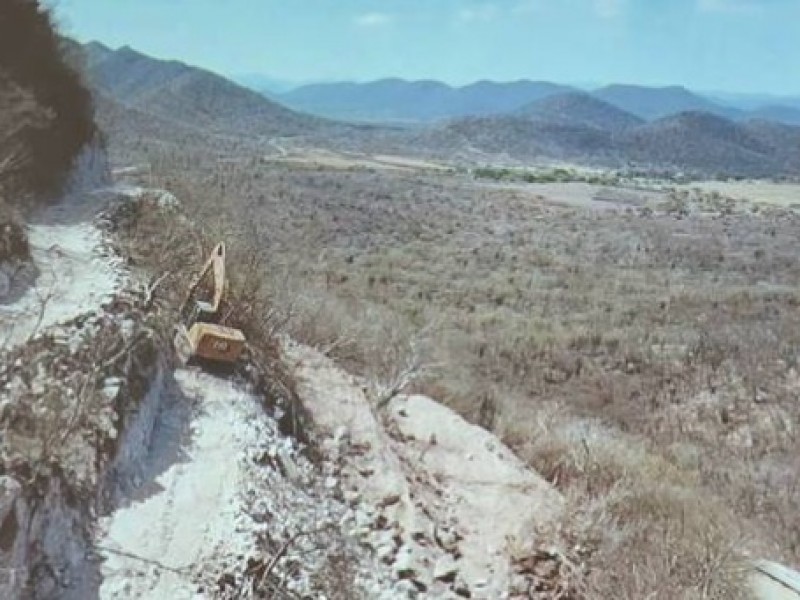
[
  {"x": 75, "y": 275},
  {"x": 187, "y": 510},
  {"x": 780, "y": 194},
  {"x": 582, "y": 195},
  {"x": 337, "y": 160}
]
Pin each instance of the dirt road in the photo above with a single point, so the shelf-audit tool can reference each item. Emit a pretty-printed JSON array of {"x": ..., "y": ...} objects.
[
  {"x": 185, "y": 507},
  {"x": 75, "y": 275}
]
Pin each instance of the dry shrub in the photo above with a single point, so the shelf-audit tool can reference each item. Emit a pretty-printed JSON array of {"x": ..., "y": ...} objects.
[{"x": 642, "y": 527}]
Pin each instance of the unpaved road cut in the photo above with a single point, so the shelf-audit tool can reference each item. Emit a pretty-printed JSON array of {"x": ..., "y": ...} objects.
[
  {"x": 185, "y": 508},
  {"x": 75, "y": 275}
]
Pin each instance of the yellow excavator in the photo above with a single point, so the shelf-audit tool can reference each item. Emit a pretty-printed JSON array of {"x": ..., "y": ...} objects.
[{"x": 200, "y": 337}]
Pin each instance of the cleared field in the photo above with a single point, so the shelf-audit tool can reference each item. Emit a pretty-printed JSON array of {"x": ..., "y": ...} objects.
[
  {"x": 779, "y": 194},
  {"x": 584, "y": 195},
  {"x": 343, "y": 160}
]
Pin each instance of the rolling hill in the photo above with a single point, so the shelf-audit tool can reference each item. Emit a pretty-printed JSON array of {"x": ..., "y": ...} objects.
[
  {"x": 421, "y": 102},
  {"x": 696, "y": 142},
  {"x": 505, "y": 137},
  {"x": 578, "y": 108}
]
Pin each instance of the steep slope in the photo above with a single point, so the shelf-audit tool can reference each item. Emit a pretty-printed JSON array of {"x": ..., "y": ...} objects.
[
  {"x": 657, "y": 102},
  {"x": 189, "y": 95},
  {"x": 578, "y": 108},
  {"x": 400, "y": 100}
]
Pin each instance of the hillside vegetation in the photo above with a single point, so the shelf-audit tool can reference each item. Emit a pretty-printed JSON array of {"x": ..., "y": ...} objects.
[{"x": 582, "y": 131}]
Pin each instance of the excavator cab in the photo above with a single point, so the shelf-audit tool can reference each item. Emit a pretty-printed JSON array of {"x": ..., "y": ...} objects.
[{"x": 200, "y": 336}]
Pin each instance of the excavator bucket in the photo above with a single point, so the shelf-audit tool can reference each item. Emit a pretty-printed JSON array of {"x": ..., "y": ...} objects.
[{"x": 201, "y": 337}]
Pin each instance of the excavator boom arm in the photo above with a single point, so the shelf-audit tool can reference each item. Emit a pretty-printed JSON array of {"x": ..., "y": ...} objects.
[
  {"x": 215, "y": 264},
  {"x": 202, "y": 336}
]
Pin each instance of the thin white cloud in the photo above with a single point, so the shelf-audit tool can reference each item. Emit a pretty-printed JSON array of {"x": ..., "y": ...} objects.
[
  {"x": 373, "y": 19},
  {"x": 478, "y": 12},
  {"x": 729, "y": 6},
  {"x": 609, "y": 9},
  {"x": 604, "y": 9},
  {"x": 524, "y": 7}
]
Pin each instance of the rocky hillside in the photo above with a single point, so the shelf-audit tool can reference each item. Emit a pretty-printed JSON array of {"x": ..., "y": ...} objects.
[{"x": 46, "y": 118}]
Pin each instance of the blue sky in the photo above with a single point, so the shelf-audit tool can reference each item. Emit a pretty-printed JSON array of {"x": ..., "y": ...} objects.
[{"x": 727, "y": 45}]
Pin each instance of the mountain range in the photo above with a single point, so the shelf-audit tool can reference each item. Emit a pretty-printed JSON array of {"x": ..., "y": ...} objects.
[
  {"x": 618, "y": 126},
  {"x": 398, "y": 100}
]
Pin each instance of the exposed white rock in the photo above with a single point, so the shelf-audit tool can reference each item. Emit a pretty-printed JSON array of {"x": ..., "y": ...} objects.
[{"x": 453, "y": 518}]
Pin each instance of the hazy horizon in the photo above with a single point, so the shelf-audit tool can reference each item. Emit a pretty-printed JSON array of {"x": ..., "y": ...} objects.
[{"x": 735, "y": 46}]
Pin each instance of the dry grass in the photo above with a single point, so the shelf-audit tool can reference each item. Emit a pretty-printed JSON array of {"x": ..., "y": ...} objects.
[{"x": 643, "y": 359}]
